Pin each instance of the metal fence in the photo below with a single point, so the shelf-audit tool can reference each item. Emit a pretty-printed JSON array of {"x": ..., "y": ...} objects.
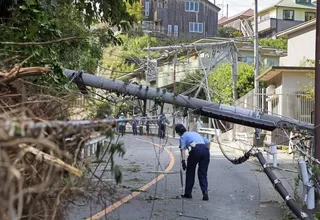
[{"x": 294, "y": 105}]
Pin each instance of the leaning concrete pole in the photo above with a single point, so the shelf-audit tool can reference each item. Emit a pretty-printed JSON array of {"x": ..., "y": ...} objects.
[{"x": 206, "y": 108}]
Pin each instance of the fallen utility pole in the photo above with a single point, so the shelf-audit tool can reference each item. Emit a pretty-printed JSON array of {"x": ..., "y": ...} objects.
[
  {"x": 291, "y": 203},
  {"x": 214, "y": 110}
]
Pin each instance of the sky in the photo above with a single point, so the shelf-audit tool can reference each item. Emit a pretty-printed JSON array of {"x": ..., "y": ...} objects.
[{"x": 237, "y": 6}]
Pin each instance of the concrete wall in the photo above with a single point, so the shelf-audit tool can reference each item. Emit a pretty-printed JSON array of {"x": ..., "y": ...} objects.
[
  {"x": 299, "y": 14},
  {"x": 301, "y": 45},
  {"x": 234, "y": 24}
]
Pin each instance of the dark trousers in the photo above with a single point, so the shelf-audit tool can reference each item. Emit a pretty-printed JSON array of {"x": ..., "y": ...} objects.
[
  {"x": 198, "y": 155},
  {"x": 162, "y": 131},
  {"x": 134, "y": 130},
  {"x": 122, "y": 129}
]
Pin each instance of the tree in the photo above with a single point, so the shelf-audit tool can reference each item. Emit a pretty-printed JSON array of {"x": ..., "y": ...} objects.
[
  {"x": 122, "y": 59},
  {"x": 279, "y": 43},
  {"x": 221, "y": 82},
  {"x": 48, "y": 21},
  {"x": 309, "y": 89},
  {"x": 228, "y": 32}
]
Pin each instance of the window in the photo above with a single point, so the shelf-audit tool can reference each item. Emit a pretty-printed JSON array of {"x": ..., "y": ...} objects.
[
  {"x": 196, "y": 27},
  {"x": 192, "y": 6},
  {"x": 187, "y": 6},
  {"x": 200, "y": 27},
  {"x": 309, "y": 16},
  {"x": 176, "y": 31},
  {"x": 191, "y": 27},
  {"x": 303, "y": 1},
  {"x": 165, "y": 4},
  {"x": 169, "y": 29},
  {"x": 288, "y": 15},
  {"x": 264, "y": 17},
  {"x": 146, "y": 9},
  {"x": 196, "y": 6}
]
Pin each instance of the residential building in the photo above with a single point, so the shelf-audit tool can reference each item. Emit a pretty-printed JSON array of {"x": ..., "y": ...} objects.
[
  {"x": 239, "y": 22},
  {"x": 285, "y": 92},
  {"x": 298, "y": 52},
  {"x": 191, "y": 19},
  {"x": 283, "y": 15}
]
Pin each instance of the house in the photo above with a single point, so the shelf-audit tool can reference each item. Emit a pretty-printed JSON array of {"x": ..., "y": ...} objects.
[
  {"x": 285, "y": 93},
  {"x": 239, "y": 22},
  {"x": 192, "y": 19},
  {"x": 298, "y": 52},
  {"x": 283, "y": 15}
]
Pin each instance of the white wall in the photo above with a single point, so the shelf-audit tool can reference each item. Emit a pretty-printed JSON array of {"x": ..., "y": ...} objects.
[
  {"x": 293, "y": 105},
  {"x": 301, "y": 44}
]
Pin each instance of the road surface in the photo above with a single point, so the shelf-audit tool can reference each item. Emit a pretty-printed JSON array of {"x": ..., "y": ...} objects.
[{"x": 235, "y": 191}]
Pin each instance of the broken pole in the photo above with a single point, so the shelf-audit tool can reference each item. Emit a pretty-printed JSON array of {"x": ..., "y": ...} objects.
[{"x": 214, "y": 110}]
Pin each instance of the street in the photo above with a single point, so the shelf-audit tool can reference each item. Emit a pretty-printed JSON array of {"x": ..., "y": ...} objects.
[{"x": 235, "y": 191}]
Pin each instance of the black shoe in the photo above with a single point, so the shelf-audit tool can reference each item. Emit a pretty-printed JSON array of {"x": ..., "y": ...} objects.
[
  {"x": 205, "y": 196},
  {"x": 186, "y": 196}
]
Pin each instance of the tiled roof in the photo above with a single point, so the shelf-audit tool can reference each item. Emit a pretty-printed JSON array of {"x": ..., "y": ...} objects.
[
  {"x": 247, "y": 13},
  {"x": 221, "y": 20}
]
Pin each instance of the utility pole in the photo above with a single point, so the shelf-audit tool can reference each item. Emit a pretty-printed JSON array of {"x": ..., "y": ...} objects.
[
  {"x": 227, "y": 10},
  {"x": 174, "y": 92},
  {"x": 316, "y": 87},
  {"x": 256, "y": 56},
  {"x": 234, "y": 60},
  {"x": 148, "y": 65},
  {"x": 220, "y": 111}
]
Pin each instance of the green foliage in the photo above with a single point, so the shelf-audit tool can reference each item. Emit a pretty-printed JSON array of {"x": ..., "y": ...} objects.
[
  {"x": 44, "y": 20},
  {"x": 229, "y": 32},
  {"x": 221, "y": 82},
  {"x": 135, "y": 10},
  {"x": 130, "y": 54},
  {"x": 309, "y": 89},
  {"x": 279, "y": 43}
]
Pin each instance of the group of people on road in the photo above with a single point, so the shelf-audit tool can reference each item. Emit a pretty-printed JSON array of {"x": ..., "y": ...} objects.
[{"x": 137, "y": 124}]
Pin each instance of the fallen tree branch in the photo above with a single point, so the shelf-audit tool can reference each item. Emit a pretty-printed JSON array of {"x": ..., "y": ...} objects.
[
  {"x": 40, "y": 156},
  {"x": 23, "y": 72},
  {"x": 40, "y": 43}
]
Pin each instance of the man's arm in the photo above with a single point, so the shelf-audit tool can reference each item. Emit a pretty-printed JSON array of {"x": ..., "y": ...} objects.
[{"x": 182, "y": 149}]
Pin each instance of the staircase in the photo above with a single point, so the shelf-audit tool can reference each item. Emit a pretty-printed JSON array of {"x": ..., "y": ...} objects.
[{"x": 246, "y": 29}]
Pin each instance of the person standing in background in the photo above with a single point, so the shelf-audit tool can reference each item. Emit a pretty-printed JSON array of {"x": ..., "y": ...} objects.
[{"x": 122, "y": 124}]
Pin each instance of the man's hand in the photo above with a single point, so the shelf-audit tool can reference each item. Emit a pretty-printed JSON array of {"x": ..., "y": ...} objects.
[{"x": 184, "y": 165}]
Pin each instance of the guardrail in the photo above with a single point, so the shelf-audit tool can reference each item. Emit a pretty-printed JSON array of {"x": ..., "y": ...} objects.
[
  {"x": 272, "y": 150},
  {"x": 91, "y": 146}
]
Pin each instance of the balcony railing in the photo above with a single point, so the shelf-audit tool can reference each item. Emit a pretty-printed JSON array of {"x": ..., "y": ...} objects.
[{"x": 267, "y": 24}]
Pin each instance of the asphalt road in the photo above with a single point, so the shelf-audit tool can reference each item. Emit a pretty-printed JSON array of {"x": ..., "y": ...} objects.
[{"x": 234, "y": 190}]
